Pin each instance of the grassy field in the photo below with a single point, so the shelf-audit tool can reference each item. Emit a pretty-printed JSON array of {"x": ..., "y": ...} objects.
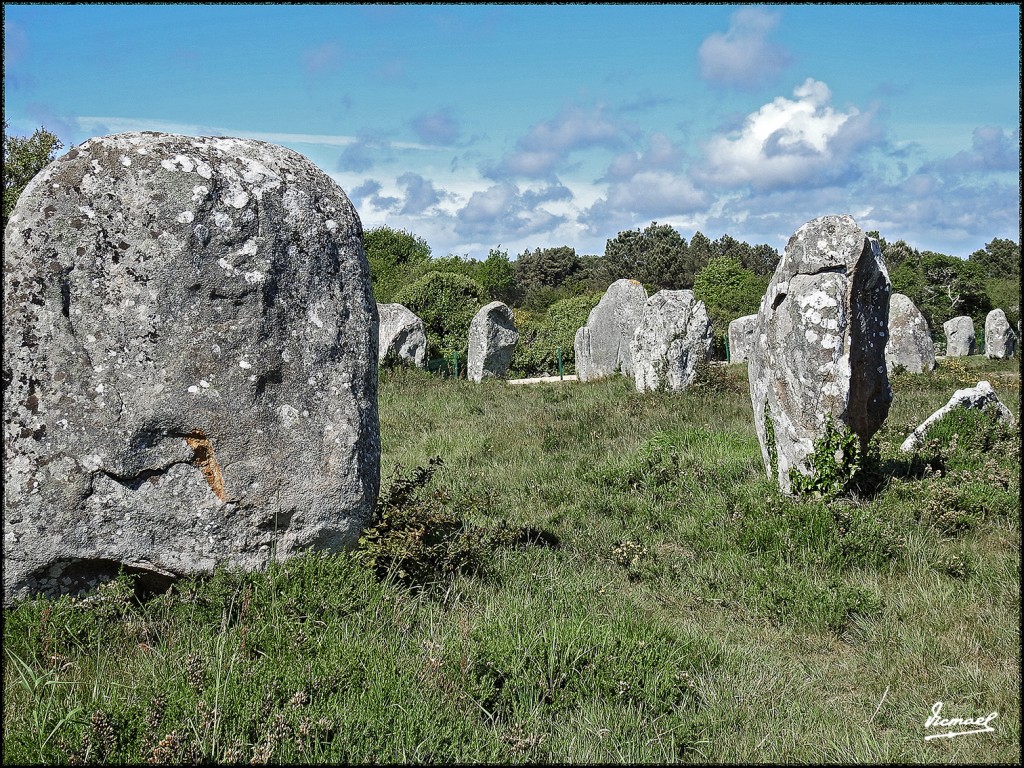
[{"x": 592, "y": 575}]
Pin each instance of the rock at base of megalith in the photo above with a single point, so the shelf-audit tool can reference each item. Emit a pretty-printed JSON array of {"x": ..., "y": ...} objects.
[
  {"x": 402, "y": 336},
  {"x": 492, "y": 341},
  {"x": 819, "y": 356},
  {"x": 672, "y": 340},
  {"x": 910, "y": 344},
  {"x": 1000, "y": 340},
  {"x": 980, "y": 396},
  {"x": 742, "y": 334},
  {"x": 604, "y": 347},
  {"x": 959, "y": 336},
  {"x": 189, "y": 362}
]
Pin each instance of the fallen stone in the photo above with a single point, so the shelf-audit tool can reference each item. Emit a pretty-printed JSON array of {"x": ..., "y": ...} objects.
[
  {"x": 602, "y": 346},
  {"x": 959, "y": 336},
  {"x": 979, "y": 396},
  {"x": 492, "y": 340},
  {"x": 673, "y": 338},
  {"x": 819, "y": 356},
  {"x": 402, "y": 336},
  {"x": 1000, "y": 340},
  {"x": 190, "y": 363},
  {"x": 910, "y": 344},
  {"x": 742, "y": 333}
]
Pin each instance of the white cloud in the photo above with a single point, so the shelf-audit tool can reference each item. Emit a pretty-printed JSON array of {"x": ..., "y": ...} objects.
[
  {"x": 803, "y": 141},
  {"x": 743, "y": 56}
]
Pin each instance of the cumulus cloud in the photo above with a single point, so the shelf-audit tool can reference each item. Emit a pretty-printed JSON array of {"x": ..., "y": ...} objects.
[
  {"x": 420, "y": 193},
  {"x": 362, "y": 154},
  {"x": 369, "y": 193},
  {"x": 803, "y": 141},
  {"x": 992, "y": 149},
  {"x": 437, "y": 127},
  {"x": 501, "y": 213},
  {"x": 549, "y": 144},
  {"x": 322, "y": 59},
  {"x": 743, "y": 56}
]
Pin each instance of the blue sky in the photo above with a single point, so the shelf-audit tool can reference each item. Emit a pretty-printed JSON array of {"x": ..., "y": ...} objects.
[{"x": 531, "y": 126}]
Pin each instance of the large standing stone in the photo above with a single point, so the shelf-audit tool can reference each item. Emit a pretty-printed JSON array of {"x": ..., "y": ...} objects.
[
  {"x": 820, "y": 351},
  {"x": 980, "y": 396},
  {"x": 742, "y": 334},
  {"x": 671, "y": 340},
  {"x": 602, "y": 346},
  {"x": 910, "y": 342},
  {"x": 492, "y": 340},
  {"x": 959, "y": 336},
  {"x": 401, "y": 336},
  {"x": 1000, "y": 340},
  {"x": 189, "y": 363}
]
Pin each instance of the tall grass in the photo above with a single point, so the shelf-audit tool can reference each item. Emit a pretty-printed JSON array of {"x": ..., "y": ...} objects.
[{"x": 600, "y": 576}]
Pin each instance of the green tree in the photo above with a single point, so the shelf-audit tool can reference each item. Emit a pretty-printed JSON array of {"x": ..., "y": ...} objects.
[
  {"x": 396, "y": 258},
  {"x": 657, "y": 256},
  {"x": 23, "y": 158},
  {"x": 546, "y": 267},
  {"x": 542, "y": 334},
  {"x": 446, "y": 302},
  {"x": 729, "y": 290},
  {"x": 497, "y": 275},
  {"x": 943, "y": 287},
  {"x": 998, "y": 259}
]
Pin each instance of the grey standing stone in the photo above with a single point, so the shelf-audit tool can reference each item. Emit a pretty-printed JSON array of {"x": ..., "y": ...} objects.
[
  {"x": 1000, "y": 340},
  {"x": 910, "y": 342},
  {"x": 820, "y": 351},
  {"x": 979, "y": 396},
  {"x": 673, "y": 337},
  {"x": 189, "y": 363},
  {"x": 742, "y": 334},
  {"x": 402, "y": 335},
  {"x": 959, "y": 336},
  {"x": 602, "y": 347},
  {"x": 492, "y": 340}
]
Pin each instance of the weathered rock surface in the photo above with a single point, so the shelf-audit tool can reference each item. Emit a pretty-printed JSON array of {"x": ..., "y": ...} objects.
[
  {"x": 742, "y": 334},
  {"x": 602, "y": 346},
  {"x": 979, "y": 396},
  {"x": 1000, "y": 340},
  {"x": 959, "y": 336},
  {"x": 910, "y": 342},
  {"x": 401, "y": 336},
  {"x": 673, "y": 337},
  {"x": 819, "y": 356},
  {"x": 492, "y": 340},
  {"x": 189, "y": 363}
]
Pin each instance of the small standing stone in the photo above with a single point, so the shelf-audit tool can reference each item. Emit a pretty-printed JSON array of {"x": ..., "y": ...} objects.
[
  {"x": 492, "y": 340},
  {"x": 1000, "y": 340},
  {"x": 959, "y": 336},
  {"x": 910, "y": 340},
  {"x": 671, "y": 340},
  {"x": 602, "y": 346},
  {"x": 742, "y": 334},
  {"x": 402, "y": 335}
]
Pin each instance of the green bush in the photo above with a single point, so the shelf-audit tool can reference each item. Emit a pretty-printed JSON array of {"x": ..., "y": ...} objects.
[
  {"x": 446, "y": 302},
  {"x": 542, "y": 334}
]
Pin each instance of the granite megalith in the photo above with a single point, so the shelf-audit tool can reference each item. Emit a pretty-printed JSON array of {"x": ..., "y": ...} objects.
[
  {"x": 602, "y": 346},
  {"x": 402, "y": 336},
  {"x": 910, "y": 344},
  {"x": 492, "y": 341},
  {"x": 959, "y": 336},
  {"x": 819, "y": 356},
  {"x": 1000, "y": 340},
  {"x": 189, "y": 363},
  {"x": 742, "y": 332},
  {"x": 673, "y": 338},
  {"x": 980, "y": 396}
]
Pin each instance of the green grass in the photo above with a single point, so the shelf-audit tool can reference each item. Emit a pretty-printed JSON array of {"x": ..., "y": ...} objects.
[{"x": 592, "y": 575}]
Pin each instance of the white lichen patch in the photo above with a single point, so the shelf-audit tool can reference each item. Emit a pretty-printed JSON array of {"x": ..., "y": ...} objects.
[
  {"x": 185, "y": 217},
  {"x": 89, "y": 212},
  {"x": 243, "y": 364},
  {"x": 254, "y": 277},
  {"x": 200, "y": 192},
  {"x": 331, "y": 225},
  {"x": 204, "y": 169},
  {"x": 222, "y": 220},
  {"x": 126, "y": 161},
  {"x": 193, "y": 389}
]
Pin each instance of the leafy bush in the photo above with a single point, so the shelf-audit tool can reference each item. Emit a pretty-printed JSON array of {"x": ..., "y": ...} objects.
[
  {"x": 834, "y": 465},
  {"x": 541, "y": 335},
  {"x": 446, "y": 302}
]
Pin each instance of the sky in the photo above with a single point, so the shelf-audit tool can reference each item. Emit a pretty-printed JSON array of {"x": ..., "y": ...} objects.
[{"x": 519, "y": 127}]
